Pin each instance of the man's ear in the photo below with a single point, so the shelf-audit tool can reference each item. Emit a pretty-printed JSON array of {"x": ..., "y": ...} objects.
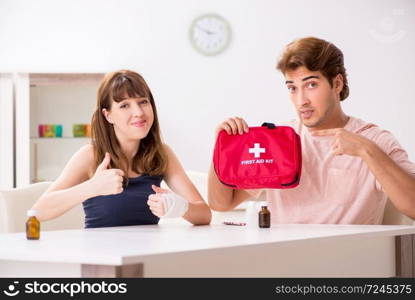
[
  {"x": 338, "y": 83},
  {"x": 106, "y": 114}
]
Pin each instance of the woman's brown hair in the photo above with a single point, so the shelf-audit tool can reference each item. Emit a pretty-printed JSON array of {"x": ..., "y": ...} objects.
[
  {"x": 150, "y": 158},
  {"x": 316, "y": 55}
]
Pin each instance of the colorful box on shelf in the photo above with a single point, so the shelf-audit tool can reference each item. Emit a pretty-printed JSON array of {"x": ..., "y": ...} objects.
[
  {"x": 50, "y": 130},
  {"x": 81, "y": 130}
]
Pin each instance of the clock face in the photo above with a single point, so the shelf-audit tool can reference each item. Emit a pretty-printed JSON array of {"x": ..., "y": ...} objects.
[{"x": 210, "y": 34}]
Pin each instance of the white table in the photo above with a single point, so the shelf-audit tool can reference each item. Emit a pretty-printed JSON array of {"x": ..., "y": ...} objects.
[{"x": 183, "y": 250}]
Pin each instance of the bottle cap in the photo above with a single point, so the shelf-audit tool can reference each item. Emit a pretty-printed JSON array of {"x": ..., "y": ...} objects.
[{"x": 31, "y": 213}]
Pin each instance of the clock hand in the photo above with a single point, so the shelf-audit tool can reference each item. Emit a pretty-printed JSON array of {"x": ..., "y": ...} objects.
[{"x": 205, "y": 30}]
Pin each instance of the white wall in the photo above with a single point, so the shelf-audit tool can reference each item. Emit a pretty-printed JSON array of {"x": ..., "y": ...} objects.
[{"x": 194, "y": 93}]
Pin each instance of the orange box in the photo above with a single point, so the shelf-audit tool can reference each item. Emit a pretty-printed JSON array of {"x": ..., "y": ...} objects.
[
  {"x": 49, "y": 131},
  {"x": 88, "y": 130}
]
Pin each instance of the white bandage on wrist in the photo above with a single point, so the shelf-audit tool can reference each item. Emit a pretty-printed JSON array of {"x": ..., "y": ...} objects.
[{"x": 176, "y": 206}]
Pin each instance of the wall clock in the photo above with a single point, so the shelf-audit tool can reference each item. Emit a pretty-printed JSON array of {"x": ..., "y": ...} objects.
[{"x": 210, "y": 34}]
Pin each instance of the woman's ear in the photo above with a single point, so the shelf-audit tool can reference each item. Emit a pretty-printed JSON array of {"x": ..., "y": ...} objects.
[{"x": 106, "y": 114}]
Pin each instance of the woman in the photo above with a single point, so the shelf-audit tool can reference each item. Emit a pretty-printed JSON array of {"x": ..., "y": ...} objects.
[{"x": 117, "y": 176}]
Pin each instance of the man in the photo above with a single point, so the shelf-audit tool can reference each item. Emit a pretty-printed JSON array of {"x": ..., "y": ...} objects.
[{"x": 350, "y": 167}]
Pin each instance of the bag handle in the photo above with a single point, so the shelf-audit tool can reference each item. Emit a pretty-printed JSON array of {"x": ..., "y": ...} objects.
[{"x": 269, "y": 125}]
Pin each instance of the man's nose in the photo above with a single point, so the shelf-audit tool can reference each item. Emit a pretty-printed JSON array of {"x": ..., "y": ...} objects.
[{"x": 302, "y": 99}]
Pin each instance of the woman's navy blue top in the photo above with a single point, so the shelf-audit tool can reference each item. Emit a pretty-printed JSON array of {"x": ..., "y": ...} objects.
[{"x": 124, "y": 209}]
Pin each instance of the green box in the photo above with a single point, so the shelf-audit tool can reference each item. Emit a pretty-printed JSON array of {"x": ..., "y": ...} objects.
[{"x": 79, "y": 130}]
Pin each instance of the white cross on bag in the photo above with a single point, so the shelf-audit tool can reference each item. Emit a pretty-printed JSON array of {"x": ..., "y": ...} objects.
[{"x": 257, "y": 150}]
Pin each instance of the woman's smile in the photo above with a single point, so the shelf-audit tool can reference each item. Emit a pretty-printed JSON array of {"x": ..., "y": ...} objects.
[{"x": 139, "y": 124}]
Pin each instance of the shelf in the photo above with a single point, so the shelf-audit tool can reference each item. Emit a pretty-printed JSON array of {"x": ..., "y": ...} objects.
[
  {"x": 48, "y": 79},
  {"x": 56, "y": 98}
]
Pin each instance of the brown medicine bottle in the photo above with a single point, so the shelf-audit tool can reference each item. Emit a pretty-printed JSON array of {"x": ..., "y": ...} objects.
[
  {"x": 264, "y": 216},
  {"x": 32, "y": 225}
]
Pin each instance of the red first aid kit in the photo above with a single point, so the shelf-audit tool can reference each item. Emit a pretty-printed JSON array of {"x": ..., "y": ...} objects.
[{"x": 266, "y": 157}]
